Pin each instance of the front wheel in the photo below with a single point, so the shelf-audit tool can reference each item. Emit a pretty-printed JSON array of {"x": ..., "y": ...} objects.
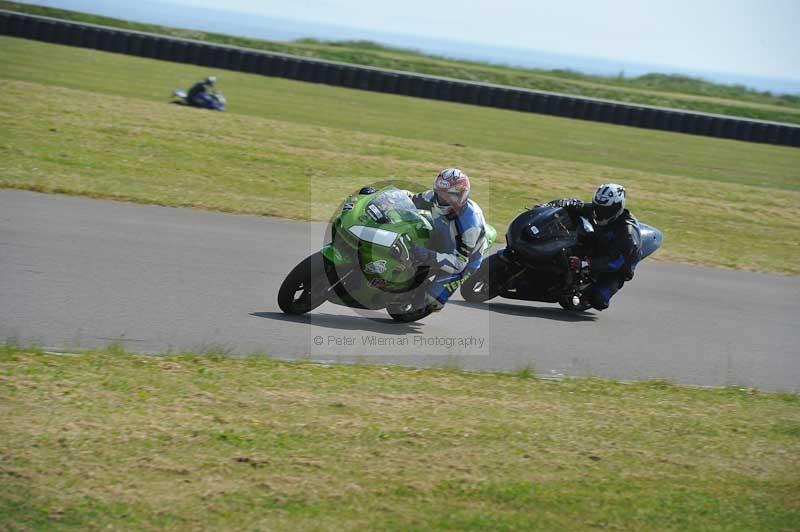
[
  {"x": 306, "y": 286},
  {"x": 483, "y": 284}
]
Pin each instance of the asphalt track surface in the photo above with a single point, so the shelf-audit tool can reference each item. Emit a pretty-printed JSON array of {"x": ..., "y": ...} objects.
[{"x": 79, "y": 273}]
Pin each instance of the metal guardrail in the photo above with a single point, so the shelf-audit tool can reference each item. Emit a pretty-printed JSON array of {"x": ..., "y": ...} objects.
[{"x": 390, "y": 81}]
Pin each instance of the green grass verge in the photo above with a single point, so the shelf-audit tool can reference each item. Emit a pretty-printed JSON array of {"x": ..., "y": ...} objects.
[
  {"x": 113, "y": 440},
  {"x": 85, "y": 122},
  {"x": 680, "y": 92}
]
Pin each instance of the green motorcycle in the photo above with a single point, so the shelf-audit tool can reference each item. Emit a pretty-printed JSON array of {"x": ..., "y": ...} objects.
[{"x": 369, "y": 263}]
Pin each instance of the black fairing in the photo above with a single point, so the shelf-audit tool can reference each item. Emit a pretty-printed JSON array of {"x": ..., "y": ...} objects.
[{"x": 540, "y": 235}]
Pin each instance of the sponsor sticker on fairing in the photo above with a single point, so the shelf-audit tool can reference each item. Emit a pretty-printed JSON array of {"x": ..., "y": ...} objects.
[
  {"x": 378, "y": 266},
  {"x": 378, "y": 283}
]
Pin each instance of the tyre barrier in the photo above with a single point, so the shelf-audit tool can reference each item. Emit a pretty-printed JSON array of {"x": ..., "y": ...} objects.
[{"x": 394, "y": 82}]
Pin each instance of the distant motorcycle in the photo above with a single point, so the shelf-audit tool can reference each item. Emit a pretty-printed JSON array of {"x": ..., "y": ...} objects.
[
  {"x": 534, "y": 264},
  {"x": 213, "y": 100}
]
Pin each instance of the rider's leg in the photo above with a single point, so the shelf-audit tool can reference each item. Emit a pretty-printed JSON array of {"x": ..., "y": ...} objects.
[
  {"x": 441, "y": 289},
  {"x": 604, "y": 288},
  {"x": 445, "y": 284}
]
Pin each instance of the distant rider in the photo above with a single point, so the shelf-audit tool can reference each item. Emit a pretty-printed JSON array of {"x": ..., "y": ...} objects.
[
  {"x": 459, "y": 234},
  {"x": 200, "y": 93},
  {"x": 616, "y": 242}
]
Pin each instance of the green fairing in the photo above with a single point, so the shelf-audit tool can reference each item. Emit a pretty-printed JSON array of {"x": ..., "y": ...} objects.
[
  {"x": 332, "y": 255},
  {"x": 491, "y": 234},
  {"x": 375, "y": 234},
  {"x": 381, "y": 259}
]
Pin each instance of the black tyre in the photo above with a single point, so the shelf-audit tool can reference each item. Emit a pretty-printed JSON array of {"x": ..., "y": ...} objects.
[
  {"x": 407, "y": 313},
  {"x": 306, "y": 286},
  {"x": 483, "y": 284}
]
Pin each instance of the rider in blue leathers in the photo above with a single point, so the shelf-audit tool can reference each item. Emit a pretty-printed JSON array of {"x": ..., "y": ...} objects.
[
  {"x": 459, "y": 234},
  {"x": 616, "y": 242}
]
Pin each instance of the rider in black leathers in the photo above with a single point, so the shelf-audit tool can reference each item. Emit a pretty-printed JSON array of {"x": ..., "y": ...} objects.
[{"x": 616, "y": 243}]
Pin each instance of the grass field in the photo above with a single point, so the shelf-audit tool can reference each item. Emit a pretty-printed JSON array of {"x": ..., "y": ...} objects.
[
  {"x": 111, "y": 440},
  {"x": 674, "y": 91},
  {"x": 84, "y": 122},
  {"x": 107, "y": 439}
]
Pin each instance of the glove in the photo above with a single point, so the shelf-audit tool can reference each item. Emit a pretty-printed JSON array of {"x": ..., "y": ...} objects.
[
  {"x": 567, "y": 202},
  {"x": 424, "y": 256},
  {"x": 580, "y": 264}
]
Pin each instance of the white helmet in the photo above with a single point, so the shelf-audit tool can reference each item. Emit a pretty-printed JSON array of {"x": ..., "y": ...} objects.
[
  {"x": 450, "y": 191},
  {"x": 211, "y": 80},
  {"x": 608, "y": 203}
]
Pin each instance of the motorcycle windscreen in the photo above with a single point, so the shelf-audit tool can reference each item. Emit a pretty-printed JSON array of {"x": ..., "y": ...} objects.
[
  {"x": 390, "y": 207},
  {"x": 541, "y": 234}
]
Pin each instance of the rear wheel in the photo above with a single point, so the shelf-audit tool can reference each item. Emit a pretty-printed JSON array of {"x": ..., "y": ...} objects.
[
  {"x": 306, "y": 286},
  {"x": 483, "y": 284}
]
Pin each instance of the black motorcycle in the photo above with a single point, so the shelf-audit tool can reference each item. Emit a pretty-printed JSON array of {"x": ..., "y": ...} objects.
[{"x": 534, "y": 266}]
